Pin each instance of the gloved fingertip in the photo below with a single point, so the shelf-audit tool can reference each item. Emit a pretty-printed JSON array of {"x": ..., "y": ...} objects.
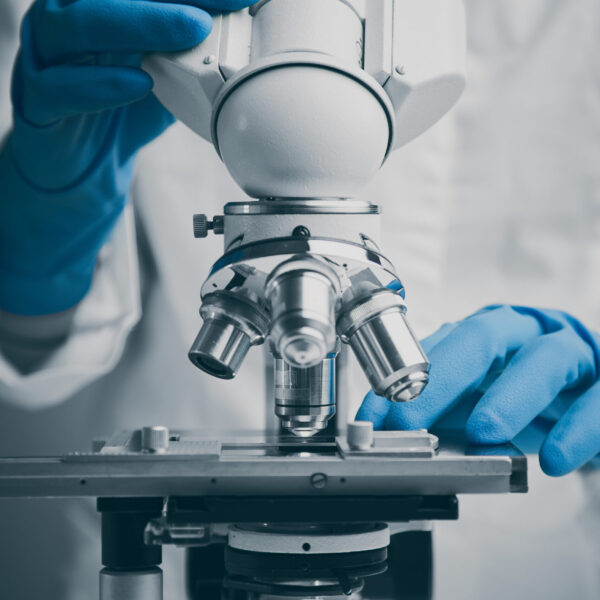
[
  {"x": 235, "y": 4},
  {"x": 406, "y": 416},
  {"x": 195, "y": 28},
  {"x": 134, "y": 82},
  {"x": 554, "y": 460},
  {"x": 484, "y": 427},
  {"x": 374, "y": 408}
]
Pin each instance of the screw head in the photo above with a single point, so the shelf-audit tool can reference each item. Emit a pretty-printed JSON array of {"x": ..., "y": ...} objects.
[
  {"x": 210, "y": 59},
  {"x": 318, "y": 480},
  {"x": 301, "y": 231},
  {"x": 401, "y": 69}
]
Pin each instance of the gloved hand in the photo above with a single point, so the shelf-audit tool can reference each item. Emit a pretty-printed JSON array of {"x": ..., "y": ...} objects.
[
  {"x": 507, "y": 365},
  {"x": 82, "y": 110}
]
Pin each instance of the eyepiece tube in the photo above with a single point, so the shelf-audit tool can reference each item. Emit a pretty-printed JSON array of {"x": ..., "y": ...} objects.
[
  {"x": 232, "y": 325},
  {"x": 375, "y": 326}
]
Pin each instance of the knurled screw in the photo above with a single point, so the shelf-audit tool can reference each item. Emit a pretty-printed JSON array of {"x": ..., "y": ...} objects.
[{"x": 202, "y": 225}]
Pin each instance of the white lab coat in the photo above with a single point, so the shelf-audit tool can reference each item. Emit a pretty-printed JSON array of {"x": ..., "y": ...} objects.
[{"x": 500, "y": 202}]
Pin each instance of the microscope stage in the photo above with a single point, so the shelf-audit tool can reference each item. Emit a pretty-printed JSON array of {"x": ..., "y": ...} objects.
[{"x": 395, "y": 464}]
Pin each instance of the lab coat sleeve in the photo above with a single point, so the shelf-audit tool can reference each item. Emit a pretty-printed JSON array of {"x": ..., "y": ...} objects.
[
  {"x": 98, "y": 330},
  {"x": 99, "y": 326}
]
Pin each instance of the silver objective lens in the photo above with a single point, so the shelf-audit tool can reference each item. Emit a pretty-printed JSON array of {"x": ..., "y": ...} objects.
[
  {"x": 302, "y": 294},
  {"x": 232, "y": 324},
  {"x": 375, "y": 326},
  {"x": 305, "y": 398}
]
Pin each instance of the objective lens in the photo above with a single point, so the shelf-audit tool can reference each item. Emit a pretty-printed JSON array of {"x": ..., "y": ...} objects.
[
  {"x": 375, "y": 326},
  {"x": 232, "y": 325},
  {"x": 302, "y": 295},
  {"x": 305, "y": 398}
]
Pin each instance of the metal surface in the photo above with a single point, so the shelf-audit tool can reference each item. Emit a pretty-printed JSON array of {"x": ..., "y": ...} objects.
[
  {"x": 306, "y": 539},
  {"x": 295, "y": 206},
  {"x": 131, "y": 585},
  {"x": 305, "y": 398},
  {"x": 232, "y": 324},
  {"x": 195, "y": 465},
  {"x": 374, "y": 324},
  {"x": 261, "y": 258},
  {"x": 302, "y": 294}
]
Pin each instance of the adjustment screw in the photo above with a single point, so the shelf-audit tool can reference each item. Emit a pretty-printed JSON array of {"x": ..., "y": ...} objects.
[
  {"x": 301, "y": 232},
  {"x": 155, "y": 439},
  {"x": 201, "y": 226},
  {"x": 318, "y": 480}
]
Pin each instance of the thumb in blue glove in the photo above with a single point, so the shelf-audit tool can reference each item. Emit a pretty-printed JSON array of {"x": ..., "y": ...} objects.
[{"x": 531, "y": 356}]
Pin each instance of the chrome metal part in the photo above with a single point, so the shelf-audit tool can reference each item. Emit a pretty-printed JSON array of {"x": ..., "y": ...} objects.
[
  {"x": 373, "y": 322},
  {"x": 305, "y": 398},
  {"x": 302, "y": 206},
  {"x": 248, "y": 222},
  {"x": 232, "y": 324},
  {"x": 274, "y": 257},
  {"x": 143, "y": 584},
  {"x": 261, "y": 258},
  {"x": 302, "y": 294},
  {"x": 410, "y": 444}
]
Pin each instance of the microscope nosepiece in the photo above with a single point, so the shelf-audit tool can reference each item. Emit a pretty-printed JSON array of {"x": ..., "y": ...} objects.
[
  {"x": 375, "y": 326},
  {"x": 232, "y": 325}
]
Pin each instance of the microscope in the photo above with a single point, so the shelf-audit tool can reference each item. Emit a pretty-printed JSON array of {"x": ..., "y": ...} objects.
[{"x": 303, "y": 100}]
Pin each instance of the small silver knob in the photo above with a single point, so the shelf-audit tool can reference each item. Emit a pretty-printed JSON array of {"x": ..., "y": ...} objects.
[
  {"x": 202, "y": 225},
  {"x": 360, "y": 435},
  {"x": 155, "y": 439}
]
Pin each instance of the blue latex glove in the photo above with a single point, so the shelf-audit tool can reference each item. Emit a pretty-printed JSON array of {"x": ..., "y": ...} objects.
[
  {"x": 503, "y": 367},
  {"x": 82, "y": 110}
]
